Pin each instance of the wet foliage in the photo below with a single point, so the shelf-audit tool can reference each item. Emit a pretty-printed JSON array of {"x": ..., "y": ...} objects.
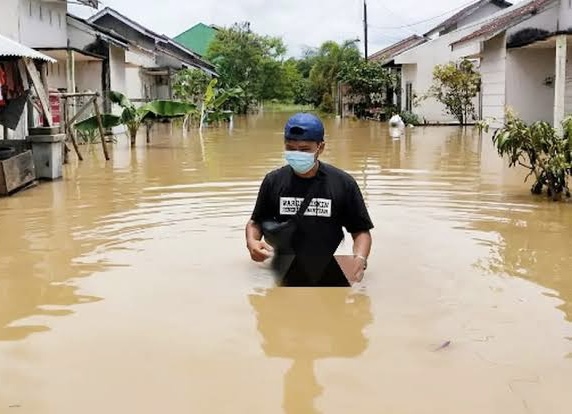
[{"x": 539, "y": 148}]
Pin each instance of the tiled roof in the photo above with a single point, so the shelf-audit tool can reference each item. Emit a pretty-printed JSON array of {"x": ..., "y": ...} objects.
[
  {"x": 404, "y": 45},
  {"x": 507, "y": 20},
  {"x": 467, "y": 11}
]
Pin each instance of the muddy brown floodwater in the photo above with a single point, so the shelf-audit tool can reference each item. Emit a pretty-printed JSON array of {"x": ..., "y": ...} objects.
[{"x": 127, "y": 288}]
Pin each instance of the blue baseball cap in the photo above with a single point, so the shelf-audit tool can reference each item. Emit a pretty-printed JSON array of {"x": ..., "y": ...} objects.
[{"x": 304, "y": 127}]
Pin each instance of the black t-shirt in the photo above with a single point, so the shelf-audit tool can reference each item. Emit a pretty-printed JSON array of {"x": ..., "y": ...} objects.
[{"x": 337, "y": 203}]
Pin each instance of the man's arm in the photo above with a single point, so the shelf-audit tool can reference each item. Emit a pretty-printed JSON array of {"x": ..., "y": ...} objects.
[
  {"x": 253, "y": 231},
  {"x": 362, "y": 244},
  {"x": 358, "y": 223},
  {"x": 259, "y": 250}
]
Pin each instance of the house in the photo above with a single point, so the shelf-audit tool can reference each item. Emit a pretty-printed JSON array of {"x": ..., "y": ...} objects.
[
  {"x": 416, "y": 57},
  {"x": 524, "y": 62},
  {"x": 91, "y": 59},
  {"x": 37, "y": 24},
  {"x": 387, "y": 58},
  {"x": 198, "y": 38},
  {"x": 152, "y": 59},
  {"x": 14, "y": 86}
]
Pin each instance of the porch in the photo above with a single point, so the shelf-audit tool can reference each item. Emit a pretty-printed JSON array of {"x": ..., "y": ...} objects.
[{"x": 539, "y": 79}]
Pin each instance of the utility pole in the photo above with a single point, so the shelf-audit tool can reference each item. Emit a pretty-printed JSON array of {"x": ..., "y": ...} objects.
[{"x": 365, "y": 27}]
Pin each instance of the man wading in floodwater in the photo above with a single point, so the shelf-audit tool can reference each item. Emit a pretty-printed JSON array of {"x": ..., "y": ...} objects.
[{"x": 302, "y": 209}]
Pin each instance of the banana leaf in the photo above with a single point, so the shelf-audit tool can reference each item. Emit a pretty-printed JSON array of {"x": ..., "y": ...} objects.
[
  {"x": 165, "y": 109},
  {"x": 90, "y": 124},
  {"x": 120, "y": 99}
]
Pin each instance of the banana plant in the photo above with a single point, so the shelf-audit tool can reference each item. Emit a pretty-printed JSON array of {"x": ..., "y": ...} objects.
[
  {"x": 214, "y": 100},
  {"x": 133, "y": 117}
]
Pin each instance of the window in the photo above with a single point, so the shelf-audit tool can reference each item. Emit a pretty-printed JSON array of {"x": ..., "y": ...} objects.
[
  {"x": 31, "y": 9},
  {"x": 41, "y": 13},
  {"x": 60, "y": 20},
  {"x": 408, "y": 96},
  {"x": 51, "y": 18}
]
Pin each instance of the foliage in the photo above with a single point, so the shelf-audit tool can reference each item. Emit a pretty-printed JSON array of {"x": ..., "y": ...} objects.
[
  {"x": 301, "y": 92},
  {"x": 132, "y": 117},
  {"x": 409, "y": 118},
  {"x": 328, "y": 61},
  {"x": 248, "y": 61},
  {"x": 214, "y": 101},
  {"x": 327, "y": 104},
  {"x": 369, "y": 80},
  {"x": 189, "y": 85},
  {"x": 455, "y": 86},
  {"x": 540, "y": 149}
]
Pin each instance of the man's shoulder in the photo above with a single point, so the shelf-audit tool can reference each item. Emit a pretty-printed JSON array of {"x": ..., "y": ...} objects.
[
  {"x": 337, "y": 173},
  {"x": 277, "y": 174}
]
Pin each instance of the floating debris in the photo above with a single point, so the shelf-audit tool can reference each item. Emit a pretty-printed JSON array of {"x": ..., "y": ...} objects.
[{"x": 445, "y": 345}]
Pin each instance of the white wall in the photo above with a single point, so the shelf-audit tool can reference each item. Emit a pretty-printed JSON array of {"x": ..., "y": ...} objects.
[
  {"x": 43, "y": 24},
  {"x": 88, "y": 76},
  {"x": 117, "y": 69},
  {"x": 140, "y": 58},
  {"x": 493, "y": 75},
  {"x": 568, "y": 94},
  {"x": 546, "y": 20},
  {"x": 79, "y": 35},
  {"x": 139, "y": 86},
  {"x": 426, "y": 57},
  {"x": 565, "y": 15},
  {"x": 408, "y": 75},
  {"x": 9, "y": 26},
  {"x": 526, "y": 70},
  {"x": 57, "y": 75}
]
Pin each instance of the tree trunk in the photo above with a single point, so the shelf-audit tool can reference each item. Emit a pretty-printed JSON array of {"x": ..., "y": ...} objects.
[{"x": 133, "y": 135}]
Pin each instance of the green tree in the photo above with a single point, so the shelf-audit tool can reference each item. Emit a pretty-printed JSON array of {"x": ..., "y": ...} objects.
[
  {"x": 249, "y": 61},
  {"x": 456, "y": 86},
  {"x": 538, "y": 148},
  {"x": 190, "y": 85},
  {"x": 368, "y": 79},
  {"x": 328, "y": 61}
]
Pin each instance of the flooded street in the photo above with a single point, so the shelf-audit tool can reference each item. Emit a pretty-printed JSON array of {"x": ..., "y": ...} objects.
[{"x": 127, "y": 286}]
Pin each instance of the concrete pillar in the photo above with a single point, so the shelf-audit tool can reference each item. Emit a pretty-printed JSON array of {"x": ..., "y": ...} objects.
[
  {"x": 560, "y": 82},
  {"x": 47, "y": 151}
]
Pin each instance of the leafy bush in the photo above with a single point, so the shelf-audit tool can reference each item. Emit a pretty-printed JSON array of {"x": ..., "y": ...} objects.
[
  {"x": 455, "y": 86},
  {"x": 409, "y": 118},
  {"x": 541, "y": 150}
]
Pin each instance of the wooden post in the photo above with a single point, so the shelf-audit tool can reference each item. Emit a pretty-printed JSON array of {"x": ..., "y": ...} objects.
[
  {"x": 71, "y": 133},
  {"x": 26, "y": 85},
  {"x": 42, "y": 93},
  {"x": 101, "y": 131},
  {"x": 560, "y": 83},
  {"x": 64, "y": 110}
]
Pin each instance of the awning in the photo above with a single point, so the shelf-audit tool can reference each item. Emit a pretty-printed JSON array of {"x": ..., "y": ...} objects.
[{"x": 10, "y": 48}]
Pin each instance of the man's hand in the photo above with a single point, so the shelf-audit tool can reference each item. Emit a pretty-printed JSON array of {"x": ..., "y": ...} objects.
[
  {"x": 259, "y": 250},
  {"x": 353, "y": 268},
  {"x": 357, "y": 270}
]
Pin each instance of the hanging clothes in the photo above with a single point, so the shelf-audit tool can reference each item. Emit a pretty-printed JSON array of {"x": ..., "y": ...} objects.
[{"x": 3, "y": 82}]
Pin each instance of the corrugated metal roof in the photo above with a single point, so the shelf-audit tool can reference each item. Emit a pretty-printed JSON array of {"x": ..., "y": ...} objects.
[{"x": 10, "y": 48}]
